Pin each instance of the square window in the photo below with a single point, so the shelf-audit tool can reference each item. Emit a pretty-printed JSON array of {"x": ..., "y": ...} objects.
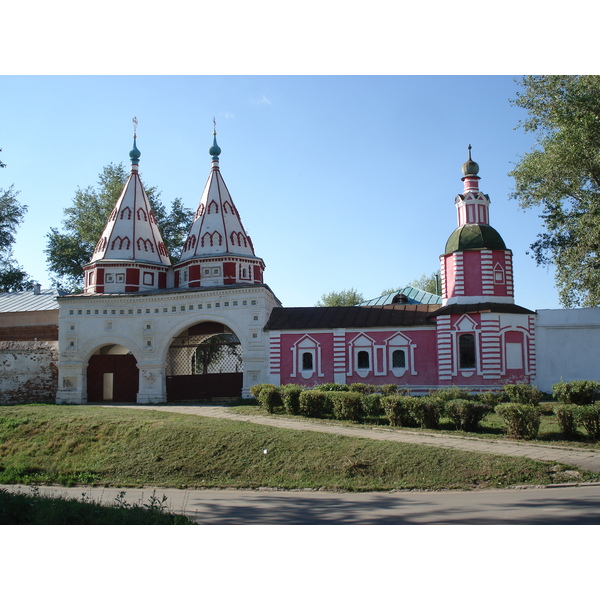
[
  {"x": 120, "y": 277},
  {"x": 148, "y": 279}
]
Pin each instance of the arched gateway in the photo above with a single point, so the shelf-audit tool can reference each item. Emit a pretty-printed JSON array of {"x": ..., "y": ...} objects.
[
  {"x": 189, "y": 332},
  {"x": 205, "y": 361}
]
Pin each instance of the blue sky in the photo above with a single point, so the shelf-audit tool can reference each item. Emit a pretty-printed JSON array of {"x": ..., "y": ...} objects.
[{"x": 341, "y": 181}]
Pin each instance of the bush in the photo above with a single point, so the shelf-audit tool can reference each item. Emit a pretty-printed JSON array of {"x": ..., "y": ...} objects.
[
  {"x": 521, "y": 420},
  {"x": 565, "y": 413},
  {"x": 371, "y": 404},
  {"x": 256, "y": 389},
  {"x": 332, "y": 387},
  {"x": 449, "y": 393},
  {"x": 269, "y": 398},
  {"x": 589, "y": 417},
  {"x": 489, "y": 397},
  {"x": 290, "y": 397},
  {"x": 467, "y": 414},
  {"x": 580, "y": 391},
  {"x": 396, "y": 411},
  {"x": 314, "y": 404},
  {"x": 363, "y": 388},
  {"x": 346, "y": 406},
  {"x": 426, "y": 411},
  {"x": 522, "y": 393},
  {"x": 387, "y": 389}
]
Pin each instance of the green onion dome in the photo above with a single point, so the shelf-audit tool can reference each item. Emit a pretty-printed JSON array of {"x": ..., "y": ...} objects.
[
  {"x": 474, "y": 237},
  {"x": 135, "y": 154}
]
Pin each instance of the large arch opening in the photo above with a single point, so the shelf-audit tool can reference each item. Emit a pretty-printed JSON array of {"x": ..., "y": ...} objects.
[
  {"x": 204, "y": 362},
  {"x": 112, "y": 375}
]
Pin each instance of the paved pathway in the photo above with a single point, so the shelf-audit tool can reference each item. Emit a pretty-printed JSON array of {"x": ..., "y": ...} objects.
[{"x": 581, "y": 458}]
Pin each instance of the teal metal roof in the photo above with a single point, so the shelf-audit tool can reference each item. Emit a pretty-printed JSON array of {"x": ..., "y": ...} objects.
[{"x": 412, "y": 295}]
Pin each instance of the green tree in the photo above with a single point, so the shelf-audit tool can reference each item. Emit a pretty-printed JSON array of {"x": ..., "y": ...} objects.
[
  {"x": 344, "y": 298},
  {"x": 561, "y": 176},
  {"x": 427, "y": 283},
  {"x": 12, "y": 276},
  {"x": 68, "y": 250}
]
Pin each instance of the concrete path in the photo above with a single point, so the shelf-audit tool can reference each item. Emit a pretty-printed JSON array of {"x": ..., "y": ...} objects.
[
  {"x": 553, "y": 505},
  {"x": 581, "y": 458}
]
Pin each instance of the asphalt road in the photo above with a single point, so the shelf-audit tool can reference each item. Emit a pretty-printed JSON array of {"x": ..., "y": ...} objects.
[{"x": 573, "y": 505}]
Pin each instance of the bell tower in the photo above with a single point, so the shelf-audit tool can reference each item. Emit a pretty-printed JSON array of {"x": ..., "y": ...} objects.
[{"x": 476, "y": 266}]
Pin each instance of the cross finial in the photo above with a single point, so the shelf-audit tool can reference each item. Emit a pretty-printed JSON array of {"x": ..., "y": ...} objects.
[
  {"x": 214, "y": 126},
  {"x": 135, "y": 124},
  {"x": 469, "y": 148}
]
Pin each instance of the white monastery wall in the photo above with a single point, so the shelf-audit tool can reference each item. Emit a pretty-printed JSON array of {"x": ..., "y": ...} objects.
[{"x": 568, "y": 345}]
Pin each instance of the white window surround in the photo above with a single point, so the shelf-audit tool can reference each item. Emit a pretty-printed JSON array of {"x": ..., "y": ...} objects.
[
  {"x": 306, "y": 344},
  {"x": 361, "y": 343},
  {"x": 465, "y": 325},
  {"x": 401, "y": 342}
]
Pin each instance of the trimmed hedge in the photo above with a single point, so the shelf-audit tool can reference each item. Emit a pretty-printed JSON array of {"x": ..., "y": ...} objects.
[
  {"x": 449, "y": 393},
  {"x": 467, "y": 414},
  {"x": 346, "y": 406},
  {"x": 371, "y": 404},
  {"x": 256, "y": 389},
  {"x": 521, "y": 420},
  {"x": 396, "y": 411},
  {"x": 314, "y": 404},
  {"x": 426, "y": 411},
  {"x": 567, "y": 419},
  {"x": 290, "y": 397},
  {"x": 269, "y": 398},
  {"x": 522, "y": 393},
  {"x": 580, "y": 391},
  {"x": 589, "y": 417}
]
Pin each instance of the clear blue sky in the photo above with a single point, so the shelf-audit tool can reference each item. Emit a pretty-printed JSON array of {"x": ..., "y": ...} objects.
[{"x": 341, "y": 181}]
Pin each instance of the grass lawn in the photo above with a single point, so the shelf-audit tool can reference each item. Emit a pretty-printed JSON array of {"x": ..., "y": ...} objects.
[{"x": 118, "y": 447}]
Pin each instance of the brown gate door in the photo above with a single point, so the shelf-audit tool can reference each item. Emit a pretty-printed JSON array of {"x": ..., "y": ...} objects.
[
  {"x": 204, "y": 387},
  {"x": 112, "y": 378},
  {"x": 204, "y": 362}
]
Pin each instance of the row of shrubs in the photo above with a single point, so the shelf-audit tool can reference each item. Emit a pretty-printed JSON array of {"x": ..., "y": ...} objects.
[{"x": 516, "y": 404}]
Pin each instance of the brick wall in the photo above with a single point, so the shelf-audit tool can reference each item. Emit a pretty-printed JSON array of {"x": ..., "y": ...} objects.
[{"x": 28, "y": 371}]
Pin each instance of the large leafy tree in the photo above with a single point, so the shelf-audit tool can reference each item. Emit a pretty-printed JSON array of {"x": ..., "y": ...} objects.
[
  {"x": 68, "y": 250},
  {"x": 561, "y": 175},
  {"x": 344, "y": 298},
  {"x": 12, "y": 277}
]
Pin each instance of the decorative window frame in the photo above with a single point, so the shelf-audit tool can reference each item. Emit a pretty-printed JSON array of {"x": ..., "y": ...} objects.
[
  {"x": 362, "y": 343},
  {"x": 466, "y": 325},
  {"x": 399, "y": 341},
  {"x": 304, "y": 345}
]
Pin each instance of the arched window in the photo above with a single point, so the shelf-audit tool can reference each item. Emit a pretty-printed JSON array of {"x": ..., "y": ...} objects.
[
  {"x": 398, "y": 359},
  {"x": 307, "y": 361},
  {"x": 466, "y": 351},
  {"x": 362, "y": 360}
]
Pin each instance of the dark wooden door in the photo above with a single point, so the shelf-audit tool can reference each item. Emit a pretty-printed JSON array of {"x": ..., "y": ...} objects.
[{"x": 112, "y": 378}]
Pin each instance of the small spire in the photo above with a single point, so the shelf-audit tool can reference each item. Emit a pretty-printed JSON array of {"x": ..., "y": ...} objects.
[
  {"x": 214, "y": 149},
  {"x": 470, "y": 168},
  {"x": 135, "y": 154}
]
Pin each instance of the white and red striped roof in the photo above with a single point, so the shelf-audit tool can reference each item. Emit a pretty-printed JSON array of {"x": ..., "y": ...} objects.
[
  {"x": 217, "y": 228},
  {"x": 131, "y": 232}
]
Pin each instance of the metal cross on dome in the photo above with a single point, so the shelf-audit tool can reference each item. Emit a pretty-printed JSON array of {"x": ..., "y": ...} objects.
[{"x": 135, "y": 124}]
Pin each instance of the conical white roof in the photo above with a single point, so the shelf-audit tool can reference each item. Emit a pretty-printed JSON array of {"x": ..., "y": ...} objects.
[
  {"x": 131, "y": 232},
  {"x": 217, "y": 228}
]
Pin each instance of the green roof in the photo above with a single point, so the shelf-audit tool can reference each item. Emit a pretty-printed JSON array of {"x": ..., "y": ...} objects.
[{"x": 474, "y": 237}]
